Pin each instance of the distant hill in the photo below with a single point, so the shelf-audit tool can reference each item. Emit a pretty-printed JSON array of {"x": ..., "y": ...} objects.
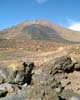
[{"x": 40, "y": 30}]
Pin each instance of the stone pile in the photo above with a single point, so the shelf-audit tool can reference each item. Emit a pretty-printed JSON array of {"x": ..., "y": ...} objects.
[{"x": 21, "y": 82}]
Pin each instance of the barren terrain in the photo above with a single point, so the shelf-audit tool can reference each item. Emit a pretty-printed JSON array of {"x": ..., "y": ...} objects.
[{"x": 53, "y": 51}]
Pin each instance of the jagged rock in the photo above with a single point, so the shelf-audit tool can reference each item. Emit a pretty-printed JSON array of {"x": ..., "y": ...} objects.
[
  {"x": 20, "y": 73},
  {"x": 46, "y": 85},
  {"x": 19, "y": 77},
  {"x": 59, "y": 65},
  {"x": 64, "y": 64}
]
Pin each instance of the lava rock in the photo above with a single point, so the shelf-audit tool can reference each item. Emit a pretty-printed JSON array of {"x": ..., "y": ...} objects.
[
  {"x": 64, "y": 64},
  {"x": 20, "y": 73}
]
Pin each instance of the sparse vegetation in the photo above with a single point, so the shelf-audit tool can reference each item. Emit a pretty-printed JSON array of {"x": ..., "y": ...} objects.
[{"x": 55, "y": 57}]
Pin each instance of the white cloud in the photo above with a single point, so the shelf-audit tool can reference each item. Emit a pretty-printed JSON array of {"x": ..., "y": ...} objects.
[
  {"x": 73, "y": 25},
  {"x": 41, "y": 1}
]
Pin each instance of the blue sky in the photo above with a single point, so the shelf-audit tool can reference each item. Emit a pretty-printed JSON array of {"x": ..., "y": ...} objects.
[{"x": 62, "y": 12}]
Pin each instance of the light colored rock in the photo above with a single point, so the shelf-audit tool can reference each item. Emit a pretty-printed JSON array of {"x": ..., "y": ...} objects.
[
  {"x": 10, "y": 89},
  {"x": 77, "y": 66},
  {"x": 16, "y": 66},
  {"x": 65, "y": 82},
  {"x": 73, "y": 98}
]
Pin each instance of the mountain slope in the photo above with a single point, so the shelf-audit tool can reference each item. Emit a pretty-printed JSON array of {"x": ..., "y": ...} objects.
[{"x": 40, "y": 30}]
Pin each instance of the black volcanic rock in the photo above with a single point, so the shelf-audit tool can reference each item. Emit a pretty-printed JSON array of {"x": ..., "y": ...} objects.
[
  {"x": 65, "y": 64},
  {"x": 52, "y": 83},
  {"x": 41, "y": 32},
  {"x": 20, "y": 73}
]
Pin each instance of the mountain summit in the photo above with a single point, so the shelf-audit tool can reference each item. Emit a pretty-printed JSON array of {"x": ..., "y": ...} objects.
[{"x": 40, "y": 30}]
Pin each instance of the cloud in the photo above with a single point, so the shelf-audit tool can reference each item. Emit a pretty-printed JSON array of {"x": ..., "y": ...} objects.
[
  {"x": 41, "y": 1},
  {"x": 73, "y": 25}
]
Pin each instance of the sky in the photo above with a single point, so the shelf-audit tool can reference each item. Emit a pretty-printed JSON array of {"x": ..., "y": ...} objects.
[{"x": 63, "y": 12}]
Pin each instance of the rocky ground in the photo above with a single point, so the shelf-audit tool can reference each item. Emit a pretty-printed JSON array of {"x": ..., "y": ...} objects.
[{"x": 41, "y": 75}]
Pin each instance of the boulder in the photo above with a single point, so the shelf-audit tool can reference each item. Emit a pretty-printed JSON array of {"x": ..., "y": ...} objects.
[
  {"x": 64, "y": 64},
  {"x": 20, "y": 73}
]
